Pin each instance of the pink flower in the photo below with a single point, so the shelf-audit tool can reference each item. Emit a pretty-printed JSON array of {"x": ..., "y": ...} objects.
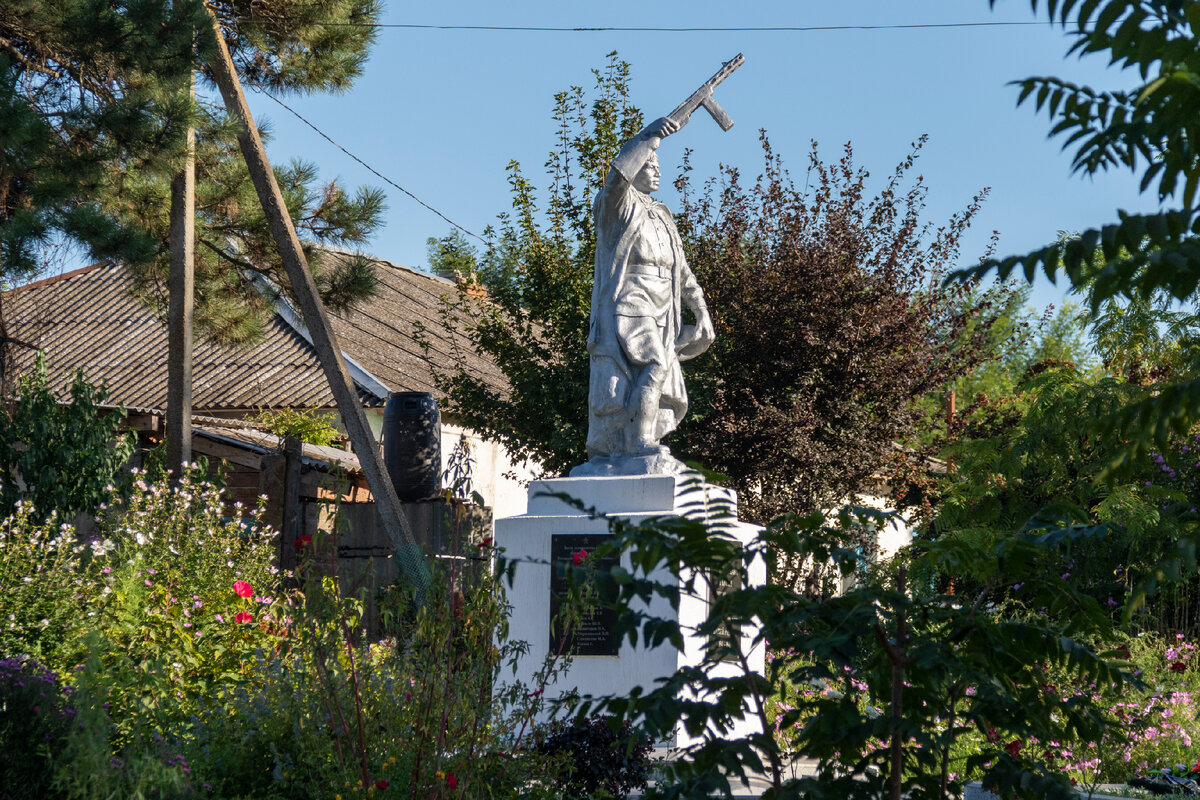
[
  {"x": 243, "y": 589},
  {"x": 579, "y": 556},
  {"x": 243, "y": 617}
]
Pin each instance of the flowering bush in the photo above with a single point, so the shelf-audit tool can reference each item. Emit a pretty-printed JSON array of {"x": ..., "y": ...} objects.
[
  {"x": 175, "y": 602},
  {"x": 46, "y": 580}
]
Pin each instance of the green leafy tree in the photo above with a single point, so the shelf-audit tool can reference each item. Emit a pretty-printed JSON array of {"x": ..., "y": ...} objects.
[
  {"x": 891, "y": 677},
  {"x": 1150, "y": 131},
  {"x": 313, "y": 427},
  {"x": 62, "y": 457},
  {"x": 827, "y": 303},
  {"x": 96, "y": 100},
  {"x": 539, "y": 284}
]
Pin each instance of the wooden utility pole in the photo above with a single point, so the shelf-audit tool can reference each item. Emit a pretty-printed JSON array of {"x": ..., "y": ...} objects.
[
  {"x": 181, "y": 287},
  {"x": 406, "y": 551}
]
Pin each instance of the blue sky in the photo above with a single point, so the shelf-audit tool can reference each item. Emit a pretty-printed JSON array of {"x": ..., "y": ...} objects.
[{"x": 441, "y": 112}]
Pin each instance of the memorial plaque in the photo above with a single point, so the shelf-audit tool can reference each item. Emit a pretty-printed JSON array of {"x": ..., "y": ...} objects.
[
  {"x": 718, "y": 585},
  {"x": 593, "y": 634}
]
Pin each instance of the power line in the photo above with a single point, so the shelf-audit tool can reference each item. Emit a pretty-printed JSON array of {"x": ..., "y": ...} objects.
[
  {"x": 373, "y": 171},
  {"x": 742, "y": 29}
]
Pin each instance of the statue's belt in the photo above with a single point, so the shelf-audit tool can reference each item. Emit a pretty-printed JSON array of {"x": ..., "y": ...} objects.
[{"x": 648, "y": 269}]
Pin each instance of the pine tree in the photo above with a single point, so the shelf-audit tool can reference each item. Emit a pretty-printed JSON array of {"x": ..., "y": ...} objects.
[{"x": 93, "y": 108}]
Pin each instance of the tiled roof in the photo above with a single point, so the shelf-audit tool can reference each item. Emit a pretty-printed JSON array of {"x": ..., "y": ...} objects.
[
  {"x": 88, "y": 319},
  {"x": 381, "y": 334}
]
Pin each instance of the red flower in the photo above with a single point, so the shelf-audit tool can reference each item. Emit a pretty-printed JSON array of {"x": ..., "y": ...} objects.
[
  {"x": 380, "y": 785},
  {"x": 302, "y": 542},
  {"x": 451, "y": 781},
  {"x": 1178, "y": 666},
  {"x": 579, "y": 556},
  {"x": 243, "y": 617},
  {"x": 243, "y": 589},
  {"x": 486, "y": 542},
  {"x": 1013, "y": 748},
  {"x": 1123, "y": 653}
]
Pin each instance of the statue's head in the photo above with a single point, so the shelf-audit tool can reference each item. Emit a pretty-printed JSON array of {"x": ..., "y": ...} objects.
[{"x": 647, "y": 179}]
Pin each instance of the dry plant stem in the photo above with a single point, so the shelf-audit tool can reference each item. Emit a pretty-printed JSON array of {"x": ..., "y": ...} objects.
[
  {"x": 539, "y": 693},
  {"x": 327, "y": 699},
  {"x": 428, "y": 699},
  {"x": 362, "y": 740}
]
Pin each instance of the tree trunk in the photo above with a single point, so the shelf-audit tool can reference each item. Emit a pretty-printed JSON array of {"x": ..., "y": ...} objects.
[{"x": 181, "y": 287}]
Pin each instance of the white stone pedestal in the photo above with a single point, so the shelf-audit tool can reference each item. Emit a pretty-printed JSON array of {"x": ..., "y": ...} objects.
[{"x": 552, "y": 523}]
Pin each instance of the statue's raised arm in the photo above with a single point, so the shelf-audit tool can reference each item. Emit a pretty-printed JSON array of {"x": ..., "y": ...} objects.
[{"x": 642, "y": 284}]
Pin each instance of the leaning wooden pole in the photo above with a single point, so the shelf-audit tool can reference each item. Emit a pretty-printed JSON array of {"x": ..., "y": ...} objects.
[{"x": 407, "y": 551}]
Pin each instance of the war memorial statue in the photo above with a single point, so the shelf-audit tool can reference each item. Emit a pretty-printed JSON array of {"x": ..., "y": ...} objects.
[
  {"x": 642, "y": 283},
  {"x": 639, "y": 335}
]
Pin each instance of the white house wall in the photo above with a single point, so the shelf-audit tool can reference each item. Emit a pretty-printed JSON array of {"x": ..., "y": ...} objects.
[{"x": 499, "y": 480}]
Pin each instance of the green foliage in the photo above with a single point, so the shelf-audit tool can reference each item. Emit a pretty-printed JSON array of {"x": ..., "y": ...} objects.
[
  {"x": 910, "y": 670},
  {"x": 43, "y": 613},
  {"x": 313, "y": 427},
  {"x": 1035, "y": 461},
  {"x": 602, "y": 755},
  {"x": 168, "y": 616},
  {"x": 62, "y": 457},
  {"x": 1149, "y": 131},
  {"x": 539, "y": 283},
  {"x": 35, "y": 714}
]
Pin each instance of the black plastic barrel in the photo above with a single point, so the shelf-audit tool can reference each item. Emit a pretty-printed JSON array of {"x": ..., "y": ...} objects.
[{"x": 412, "y": 445}]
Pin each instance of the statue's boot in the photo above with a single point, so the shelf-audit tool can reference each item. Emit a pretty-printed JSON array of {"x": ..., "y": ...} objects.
[{"x": 644, "y": 425}]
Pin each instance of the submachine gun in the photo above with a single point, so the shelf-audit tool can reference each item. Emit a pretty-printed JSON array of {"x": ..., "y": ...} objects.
[{"x": 703, "y": 97}]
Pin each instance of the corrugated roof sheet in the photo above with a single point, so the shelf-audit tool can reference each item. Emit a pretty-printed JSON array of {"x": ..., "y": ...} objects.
[
  {"x": 382, "y": 334},
  {"x": 87, "y": 319},
  {"x": 312, "y": 455}
]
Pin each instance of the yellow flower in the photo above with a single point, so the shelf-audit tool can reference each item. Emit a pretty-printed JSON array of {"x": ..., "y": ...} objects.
[
  {"x": 441, "y": 776},
  {"x": 392, "y": 760}
]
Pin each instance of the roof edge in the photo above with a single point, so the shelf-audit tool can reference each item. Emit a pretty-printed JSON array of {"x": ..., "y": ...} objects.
[
  {"x": 359, "y": 374},
  {"x": 55, "y": 279}
]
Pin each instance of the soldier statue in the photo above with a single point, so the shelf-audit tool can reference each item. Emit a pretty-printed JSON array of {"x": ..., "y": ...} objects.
[{"x": 638, "y": 336}]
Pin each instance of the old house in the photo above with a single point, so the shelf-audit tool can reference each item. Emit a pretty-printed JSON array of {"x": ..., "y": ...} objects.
[{"x": 87, "y": 319}]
